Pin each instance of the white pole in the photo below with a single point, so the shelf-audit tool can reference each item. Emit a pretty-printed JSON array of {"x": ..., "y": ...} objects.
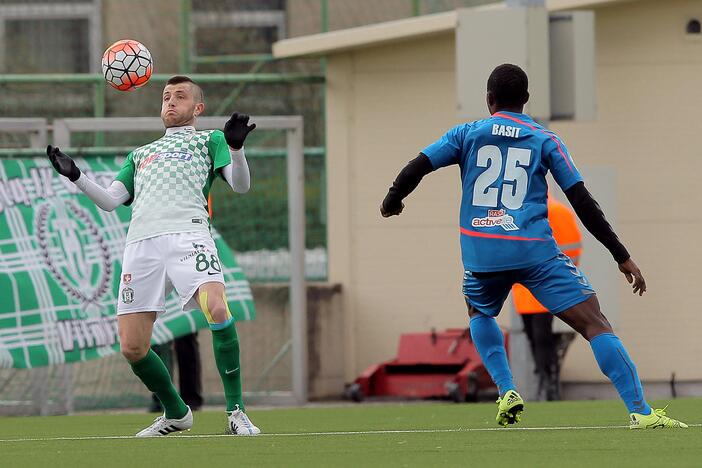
[
  {"x": 525, "y": 3},
  {"x": 298, "y": 288}
]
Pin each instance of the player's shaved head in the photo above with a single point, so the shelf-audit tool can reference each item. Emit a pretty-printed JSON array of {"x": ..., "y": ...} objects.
[
  {"x": 509, "y": 87},
  {"x": 182, "y": 102},
  {"x": 198, "y": 94}
]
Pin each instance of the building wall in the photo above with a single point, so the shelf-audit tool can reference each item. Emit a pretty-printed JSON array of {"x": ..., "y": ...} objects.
[
  {"x": 384, "y": 104},
  {"x": 404, "y": 273},
  {"x": 647, "y": 81}
]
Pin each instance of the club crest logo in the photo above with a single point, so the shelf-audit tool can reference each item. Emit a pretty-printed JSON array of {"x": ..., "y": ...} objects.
[
  {"x": 73, "y": 250},
  {"x": 127, "y": 295}
]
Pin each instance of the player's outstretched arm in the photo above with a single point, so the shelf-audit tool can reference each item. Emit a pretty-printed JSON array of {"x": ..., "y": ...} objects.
[
  {"x": 594, "y": 220},
  {"x": 235, "y": 132},
  {"x": 107, "y": 199},
  {"x": 406, "y": 181},
  {"x": 236, "y": 173}
]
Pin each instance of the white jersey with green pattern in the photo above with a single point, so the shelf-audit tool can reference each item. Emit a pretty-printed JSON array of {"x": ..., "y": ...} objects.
[{"x": 169, "y": 181}]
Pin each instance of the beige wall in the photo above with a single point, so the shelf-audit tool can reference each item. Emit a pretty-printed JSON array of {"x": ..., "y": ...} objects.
[
  {"x": 399, "y": 274},
  {"x": 384, "y": 104},
  {"x": 648, "y": 91}
]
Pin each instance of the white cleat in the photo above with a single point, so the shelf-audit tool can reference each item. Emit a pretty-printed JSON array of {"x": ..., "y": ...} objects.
[
  {"x": 240, "y": 424},
  {"x": 163, "y": 426}
]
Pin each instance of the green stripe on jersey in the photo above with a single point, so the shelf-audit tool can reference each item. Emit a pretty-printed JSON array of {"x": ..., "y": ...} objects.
[{"x": 219, "y": 151}]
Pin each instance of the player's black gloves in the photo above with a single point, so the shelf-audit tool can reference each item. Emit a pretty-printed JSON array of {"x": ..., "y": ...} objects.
[
  {"x": 63, "y": 163},
  {"x": 391, "y": 206},
  {"x": 236, "y": 129}
]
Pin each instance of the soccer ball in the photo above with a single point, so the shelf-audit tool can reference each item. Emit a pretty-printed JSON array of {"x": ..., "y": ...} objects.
[{"x": 127, "y": 65}]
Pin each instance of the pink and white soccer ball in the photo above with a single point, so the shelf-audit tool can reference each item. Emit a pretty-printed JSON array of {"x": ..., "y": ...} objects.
[{"x": 127, "y": 65}]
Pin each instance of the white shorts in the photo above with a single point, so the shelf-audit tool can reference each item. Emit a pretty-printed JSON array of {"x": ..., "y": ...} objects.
[{"x": 152, "y": 267}]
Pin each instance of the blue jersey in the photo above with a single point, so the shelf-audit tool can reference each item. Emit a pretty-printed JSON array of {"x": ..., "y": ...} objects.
[{"x": 504, "y": 161}]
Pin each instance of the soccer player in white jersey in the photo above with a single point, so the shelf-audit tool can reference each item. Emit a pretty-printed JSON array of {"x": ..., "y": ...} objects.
[{"x": 169, "y": 244}]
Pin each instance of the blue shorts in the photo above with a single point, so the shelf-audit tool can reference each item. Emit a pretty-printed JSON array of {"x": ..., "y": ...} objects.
[{"x": 557, "y": 284}]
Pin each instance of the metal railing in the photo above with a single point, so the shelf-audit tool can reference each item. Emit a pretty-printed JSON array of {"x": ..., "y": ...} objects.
[{"x": 37, "y": 128}]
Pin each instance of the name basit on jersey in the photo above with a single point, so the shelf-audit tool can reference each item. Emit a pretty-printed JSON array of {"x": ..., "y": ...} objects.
[
  {"x": 504, "y": 161},
  {"x": 169, "y": 181}
]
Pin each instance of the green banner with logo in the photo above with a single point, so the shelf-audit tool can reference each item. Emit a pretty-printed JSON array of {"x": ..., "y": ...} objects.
[{"x": 60, "y": 261}]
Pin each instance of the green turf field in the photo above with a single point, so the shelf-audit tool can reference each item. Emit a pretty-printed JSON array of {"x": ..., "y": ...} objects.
[{"x": 559, "y": 434}]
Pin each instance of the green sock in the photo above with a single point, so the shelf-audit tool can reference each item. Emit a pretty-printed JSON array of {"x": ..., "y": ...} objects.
[
  {"x": 155, "y": 376},
  {"x": 226, "y": 351}
]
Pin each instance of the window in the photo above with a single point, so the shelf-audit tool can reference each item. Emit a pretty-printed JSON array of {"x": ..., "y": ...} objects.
[
  {"x": 237, "y": 27},
  {"x": 46, "y": 46},
  {"x": 43, "y": 37}
]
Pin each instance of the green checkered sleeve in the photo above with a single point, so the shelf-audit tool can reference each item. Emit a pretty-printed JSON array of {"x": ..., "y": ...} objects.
[{"x": 126, "y": 176}]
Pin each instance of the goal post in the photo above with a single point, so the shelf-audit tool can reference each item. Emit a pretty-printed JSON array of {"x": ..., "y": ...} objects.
[
  {"x": 294, "y": 129},
  {"x": 278, "y": 374}
]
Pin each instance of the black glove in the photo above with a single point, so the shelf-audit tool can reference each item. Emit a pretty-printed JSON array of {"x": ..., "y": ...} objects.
[
  {"x": 391, "y": 206},
  {"x": 236, "y": 129},
  {"x": 63, "y": 163}
]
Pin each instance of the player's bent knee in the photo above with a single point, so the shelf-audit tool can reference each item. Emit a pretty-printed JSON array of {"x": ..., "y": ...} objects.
[
  {"x": 133, "y": 352},
  {"x": 216, "y": 310},
  {"x": 595, "y": 323},
  {"x": 472, "y": 311},
  {"x": 597, "y": 329},
  {"x": 587, "y": 319},
  {"x": 219, "y": 313}
]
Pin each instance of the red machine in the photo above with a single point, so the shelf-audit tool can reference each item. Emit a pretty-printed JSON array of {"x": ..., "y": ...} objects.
[{"x": 428, "y": 365}]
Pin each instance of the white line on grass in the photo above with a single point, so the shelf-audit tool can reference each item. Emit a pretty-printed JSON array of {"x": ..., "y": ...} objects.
[{"x": 336, "y": 433}]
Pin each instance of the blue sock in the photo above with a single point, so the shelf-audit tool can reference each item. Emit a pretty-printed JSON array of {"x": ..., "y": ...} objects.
[
  {"x": 490, "y": 344},
  {"x": 614, "y": 362}
]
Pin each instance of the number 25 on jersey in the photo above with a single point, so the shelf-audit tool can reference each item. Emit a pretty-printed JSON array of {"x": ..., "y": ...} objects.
[{"x": 514, "y": 182}]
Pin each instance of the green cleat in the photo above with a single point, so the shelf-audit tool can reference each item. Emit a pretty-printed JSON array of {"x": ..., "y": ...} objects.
[
  {"x": 657, "y": 419},
  {"x": 509, "y": 408}
]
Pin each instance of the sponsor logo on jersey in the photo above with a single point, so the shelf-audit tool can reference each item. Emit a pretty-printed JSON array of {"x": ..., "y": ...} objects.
[
  {"x": 178, "y": 155},
  {"x": 127, "y": 278},
  {"x": 198, "y": 249},
  {"x": 495, "y": 218}
]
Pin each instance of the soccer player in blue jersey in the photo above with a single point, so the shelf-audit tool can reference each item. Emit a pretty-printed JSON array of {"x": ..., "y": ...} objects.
[{"x": 506, "y": 238}]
